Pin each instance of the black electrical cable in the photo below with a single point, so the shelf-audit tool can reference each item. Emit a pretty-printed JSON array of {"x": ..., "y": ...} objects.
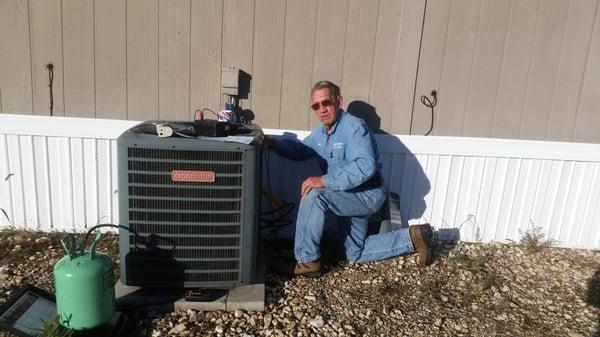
[
  {"x": 150, "y": 242},
  {"x": 50, "y": 67},
  {"x": 428, "y": 103},
  {"x": 275, "y": 218},
  {"x": 85, "y": 239},
  {"x": 207, "y": 109}
]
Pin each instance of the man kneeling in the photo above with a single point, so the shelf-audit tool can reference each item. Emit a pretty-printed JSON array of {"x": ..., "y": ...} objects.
[{"x": 351, "y": 187}]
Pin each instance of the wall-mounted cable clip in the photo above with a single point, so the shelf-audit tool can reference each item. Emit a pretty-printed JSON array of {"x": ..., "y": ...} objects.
[
  {"x": 50, "y": 67},
  {"x": 428, "y": 103}
]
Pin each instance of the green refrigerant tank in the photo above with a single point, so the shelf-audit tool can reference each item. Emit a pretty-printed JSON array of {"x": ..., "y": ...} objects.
[{"x": 85, "y": 286}]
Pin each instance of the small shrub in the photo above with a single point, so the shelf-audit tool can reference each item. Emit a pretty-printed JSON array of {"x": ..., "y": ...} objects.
[{"x": 534, "y": 239}]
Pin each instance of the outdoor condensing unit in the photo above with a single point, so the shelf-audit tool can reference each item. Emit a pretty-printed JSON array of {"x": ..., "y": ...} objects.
[{"x": 194, "y": 203}]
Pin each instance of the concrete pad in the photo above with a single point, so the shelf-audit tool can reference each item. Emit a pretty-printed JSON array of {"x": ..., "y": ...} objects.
[
  {"x": 162, "y": 300},
  {"x": 218, "y": 304},
  {"x": 248, "y": 297}
]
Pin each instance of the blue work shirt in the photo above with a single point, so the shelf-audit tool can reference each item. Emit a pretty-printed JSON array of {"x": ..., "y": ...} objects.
[{"x": 348, "y": 156}]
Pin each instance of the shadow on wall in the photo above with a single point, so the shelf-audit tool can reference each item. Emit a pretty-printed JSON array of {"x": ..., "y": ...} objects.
[
  {"x": 408, "y": 179},
  {"x": 593, "y": 296}
]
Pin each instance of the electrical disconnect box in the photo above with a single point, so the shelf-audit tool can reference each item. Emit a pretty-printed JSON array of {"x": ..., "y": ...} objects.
[{"x": 230, "y": 79}]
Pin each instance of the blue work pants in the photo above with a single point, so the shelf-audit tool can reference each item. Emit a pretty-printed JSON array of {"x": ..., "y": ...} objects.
[{"x": 354, "y": 208}]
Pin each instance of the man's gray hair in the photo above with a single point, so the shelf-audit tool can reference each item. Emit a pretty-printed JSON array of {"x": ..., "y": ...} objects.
[{"x": 334, "y": 90}]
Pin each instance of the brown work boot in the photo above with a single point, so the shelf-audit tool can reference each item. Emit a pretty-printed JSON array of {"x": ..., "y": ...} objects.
[
  {"x": 309, "y": 269},
  {"x": 421, "y": 237}
]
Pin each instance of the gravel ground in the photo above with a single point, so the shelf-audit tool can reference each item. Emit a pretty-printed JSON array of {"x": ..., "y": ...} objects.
[{"x": 470, "y": 290}]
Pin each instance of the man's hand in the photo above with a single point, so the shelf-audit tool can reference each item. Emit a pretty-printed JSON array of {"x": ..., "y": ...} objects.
[{"x": 310, "y": 183}]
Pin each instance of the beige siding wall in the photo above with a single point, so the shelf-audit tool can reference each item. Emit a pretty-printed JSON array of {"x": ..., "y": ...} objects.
[{"x": 514, "y": 69}]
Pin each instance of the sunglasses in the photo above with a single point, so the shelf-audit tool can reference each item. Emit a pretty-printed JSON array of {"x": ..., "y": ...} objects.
[{"x": 325, "y": 103}]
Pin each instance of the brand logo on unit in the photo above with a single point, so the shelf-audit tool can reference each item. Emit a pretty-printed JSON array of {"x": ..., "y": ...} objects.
[{"x": 193, "y": 176}]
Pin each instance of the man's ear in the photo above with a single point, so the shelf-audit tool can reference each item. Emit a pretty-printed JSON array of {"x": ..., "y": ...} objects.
[{"x": 340, "y": 101}]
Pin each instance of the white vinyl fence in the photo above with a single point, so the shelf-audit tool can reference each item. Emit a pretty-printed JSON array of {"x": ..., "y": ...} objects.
[{"x": 61, "y": 174}]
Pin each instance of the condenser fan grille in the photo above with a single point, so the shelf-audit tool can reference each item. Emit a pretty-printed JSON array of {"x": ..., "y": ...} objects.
[{"x": 198, "y": 222}]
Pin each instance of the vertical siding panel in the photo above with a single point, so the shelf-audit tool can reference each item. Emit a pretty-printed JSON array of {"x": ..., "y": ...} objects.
[
  {"x": 580, "y": 205},
  {"x": 238, "y": 28},
  {"x": 90, "y": 182},
  {"x": 78, "y": 49},
  {"x": 396, "y": 172},
  {"x": 421, "y": 187},
  {"x": 567, "y": 193},
  {"x": 55, "y": 183},
  {"x": 594, "y": 237},
  {"x": 60, "y": 183},
  {"x": 329, "y": 40},
  {"x": 588, "y": 118},
  {"x": 433, "y": 163},
  {"x": 539, "y": 199},
  {"x": 67, "y": 177},
  {"x": 46, "y": 47},
  {"x": 390, "y": 20},
  {"x": 509, "y": 195},
  {"x": 518, "y": 49},
  {"x": 44, "y": 211},
  {"x": 15, "y": 67},
  {"x": 361, "y": 30},
  {"x": 407, "y": 189},
  {"x": 453, "y": 195},
  {"x": 523, "y": 186},
  {"x": 485, "y": 70},
  {"x": 174, "y": 59},
  {"x": 475, "y": 191},
  {"x": 485, "y": 195},
  {"x": 205, "y": 50},
  {"x": 496, "y": 197},
  {"x": 17, "y": 195},
  {"x": 440, "y": 192},
  {"x": 142, "y": 59},
  {"x": 547, "y": 209},
  {"x": 267, "y": 51},
  {"x": 298, "y": 47},
  {"x": 565, "y": 189},
  {"x": 525, "y": 195},
  {"x": 110, "y": 55},
  {"x": 6, "y": 206},
  {"x": 79, "y": 182},
  {"x": 467, "y": 193},
  {"x": 433, "y": 44},
  {"x": 457, "y": 66},
  {"x": 114, "y": 182},
  {"x": 590, "y": 222},
  {"x": 571, "y": 67},
  {"x": 406, "y": 59},
  {"x": 103, "y": 169},
  {"x": 573, "y": 202},
  {"x": 28, "y": 181},
  {"x": 543, "y": 68}
]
